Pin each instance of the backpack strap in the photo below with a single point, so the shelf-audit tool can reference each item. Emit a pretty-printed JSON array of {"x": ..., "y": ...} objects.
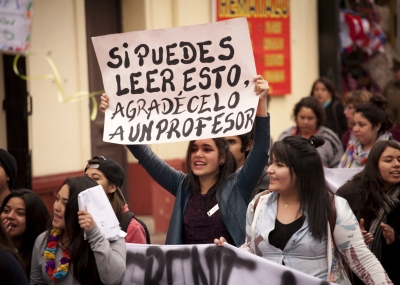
[{"x": 128, "y": 216}]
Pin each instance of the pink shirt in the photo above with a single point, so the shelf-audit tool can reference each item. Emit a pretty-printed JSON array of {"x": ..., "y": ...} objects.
[{"x": 135, "y": 231}]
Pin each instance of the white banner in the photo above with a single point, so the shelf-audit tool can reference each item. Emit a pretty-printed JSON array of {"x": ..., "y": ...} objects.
[
  {"x": 178, "y": 84},
  {"x": 206, "y": 264},
  {"x": 15, "y": 21},
  {"x": 336, "y": 177}
]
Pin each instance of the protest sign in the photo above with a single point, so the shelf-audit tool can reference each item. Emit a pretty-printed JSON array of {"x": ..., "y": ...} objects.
[
  {"x": 178, "y": 84},
  {"x": 15, "y": 20},
  {"x": 336, "y": 177},
  {"x": 206, "y": 264}
]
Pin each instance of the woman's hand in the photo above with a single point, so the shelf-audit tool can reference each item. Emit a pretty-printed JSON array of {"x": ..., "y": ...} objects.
[
  {"x": 261, "y": 89},
  {"x": 103, "y": 102},
  {"x": 85, "y": 220},
  {"x": 7, "y": 225},
  {"x": 220, "y": 241},
  {"x": 388, "y": 233},
  {"x": 368, "y": 237}
]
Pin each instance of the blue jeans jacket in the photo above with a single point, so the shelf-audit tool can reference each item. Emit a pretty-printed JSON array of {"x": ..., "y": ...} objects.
[{"x": 236, "y": 191}]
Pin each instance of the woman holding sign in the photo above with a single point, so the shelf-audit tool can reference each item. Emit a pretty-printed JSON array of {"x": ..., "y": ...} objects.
[
  {"x": 211, "y": 199},
  {"x": 299, "y": 223},
  {"x": 374, "y": 197},
  {"x": 62, "y": 255}
]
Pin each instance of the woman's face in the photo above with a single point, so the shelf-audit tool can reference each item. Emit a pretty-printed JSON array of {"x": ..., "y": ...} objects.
[
  {"x": 321, "y": 93},
  {"x": 389, "y": 167},
  {"x": 59, "y": 208},
  {"x": 14, "y": 212},
  {"x": 204, "y": 158},
  {"x": 101, "y": 179},
  {"x": 280, "y": 179},
  {"x": 306, "y": 121},
  {"x": 349, "y": 111},
  {"x": 364, "y": 132}
]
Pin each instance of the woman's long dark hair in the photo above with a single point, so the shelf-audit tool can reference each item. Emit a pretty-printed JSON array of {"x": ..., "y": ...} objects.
[
  {"x": 370, "y": 181},
  {"x": 225, "y": 170},
  {"x": 302, "y": 159},
  {"x": 82, "y": 257},
  {"x": 6, "y": 246},
  {"x": 36, "y": 217}
]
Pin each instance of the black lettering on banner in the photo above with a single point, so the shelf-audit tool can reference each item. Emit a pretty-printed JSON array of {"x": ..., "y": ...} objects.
[
  {"x": 176, "y": 112},
  {"x": 130, "y": 113},
  {"x": 167, "y": 80},
  {"x": 200, "y": 124},
  {"x": 158, "y": 256},
  {"x": 135, "y": 137},
  {"x": 208, "y": 84},
  {"x": 118, "y": 109},
  {"x": 236, "y": 96},
  {"x": 170, "y": 255},
  {"x": 134, "y": 82},
  {"x": 237, "y": 75},
  {"x": 239, "y": 121},
  {"x": 153, "y": 106},
  {"x": 204, "y": 102},
  {"x": 204, "y": 51},
  {"x": 150, "y": 80},
  {"x": 126, "y": 61},
  {"x": 186, "y": 56},
  {"x": 190, "y": 129},
  {"x": 216, "y": 123},
  {"x": 133, "y": 259},
  {"x": 228, "y": 46},
  {"x": 230, "y": 121},
  {"x": 217, "y": 107},
  {"x": 172, "y": 129},
  {"x": 189, "y": 105},
  {"x": 170, "y": 54},
  {"x": 146, "y": 130},
  {"x": 114, "y": 56},
  {"x": 249, "y": 117},
  {"x": 170, "y": 108},
  {"x": 119, "y": 131},
  {"x": 162, "y": 127},
  {"x": 141, "y": 56},
  {"x": 218, "y": 78},
  {"x": 188, "y": 79},
  {"x": 154, "y": 55},
  {"x": 119, "y": 91},
  {"x": 197, "y": 269},
  {"x": 142, "y": 107}
]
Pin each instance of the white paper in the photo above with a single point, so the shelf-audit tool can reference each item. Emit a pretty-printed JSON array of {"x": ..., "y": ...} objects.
[
  {"x": 210, "y": 95},
  {"x": 336, "y": 177},
  {"x": 98, "y": 205}
]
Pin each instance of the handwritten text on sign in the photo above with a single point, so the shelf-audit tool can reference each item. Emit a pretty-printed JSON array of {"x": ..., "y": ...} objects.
[
  {"x": 206, "y": 264},
  {"x": 178, "y": 84}
]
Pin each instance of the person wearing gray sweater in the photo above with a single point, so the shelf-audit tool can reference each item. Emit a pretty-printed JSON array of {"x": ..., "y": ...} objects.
[{"x": 61, "y": 255}]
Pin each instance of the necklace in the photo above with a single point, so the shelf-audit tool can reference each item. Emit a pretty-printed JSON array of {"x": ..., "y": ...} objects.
[
  {"x": 286, "y": 203},
  {"x": 50, "y": 254}
]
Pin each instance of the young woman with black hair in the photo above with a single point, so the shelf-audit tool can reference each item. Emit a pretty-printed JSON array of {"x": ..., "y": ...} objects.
[
  {"x": 11, "y": 270},
  {"x": 211, "y": 199},
  {"x": 24, "y": 217},
  {"x": 371, "y": 124},
  {"x": 61, "y": 255},
  {"x": 299, "y": 223},
  {"x": 374, "y": 197}
]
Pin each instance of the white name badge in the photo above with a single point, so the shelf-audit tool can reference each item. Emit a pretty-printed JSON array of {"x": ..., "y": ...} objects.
[{"x": 213, "y": 210}]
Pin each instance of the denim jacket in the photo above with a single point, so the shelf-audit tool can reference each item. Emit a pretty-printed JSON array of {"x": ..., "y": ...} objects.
[
  {"x": 236, "y": 191},
  {"x": 322, "y": 259}
]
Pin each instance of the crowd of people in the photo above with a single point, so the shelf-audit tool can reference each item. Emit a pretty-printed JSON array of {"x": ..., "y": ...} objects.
[{"x": 268, "y": 200}]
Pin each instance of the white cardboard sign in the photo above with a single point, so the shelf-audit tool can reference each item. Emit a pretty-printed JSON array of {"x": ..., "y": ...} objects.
[
  {"x": 206, "y": 264},
  {"x": 178, "y": 84}
]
